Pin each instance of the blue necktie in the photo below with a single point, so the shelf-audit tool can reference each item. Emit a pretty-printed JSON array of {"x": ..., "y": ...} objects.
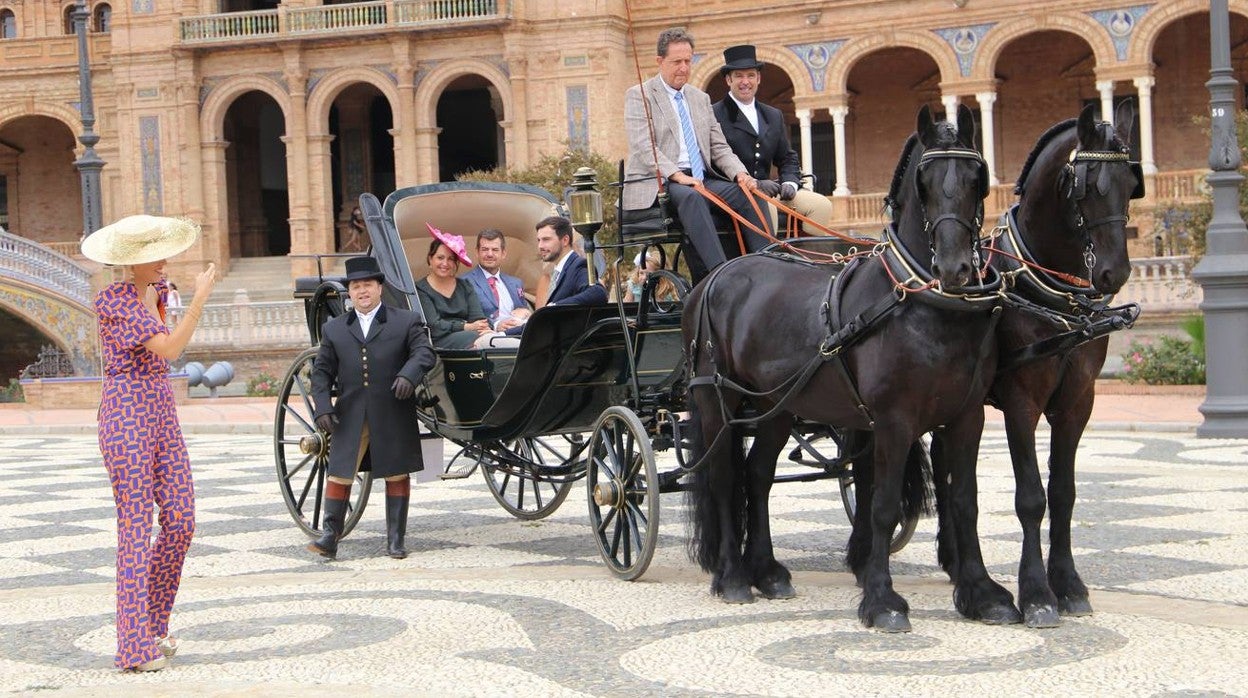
[{"x": 691, "y": 141}]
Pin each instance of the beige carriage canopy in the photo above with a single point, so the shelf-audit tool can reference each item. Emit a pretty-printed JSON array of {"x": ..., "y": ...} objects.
[{"x": 467, "y": 212}]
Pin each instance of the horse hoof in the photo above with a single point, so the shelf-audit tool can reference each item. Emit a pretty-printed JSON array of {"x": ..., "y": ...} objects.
[
  {"x": 1041, "y": 617},
  {"x": 1001, "y": 615},
  {"x": 891, "y": 622},
  {"x": 737, "y": 596},
  {"x": 1075, "y": 607},
  {"x": 779, "y": 589}
]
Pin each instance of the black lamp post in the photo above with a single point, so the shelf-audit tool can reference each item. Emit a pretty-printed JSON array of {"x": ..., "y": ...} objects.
[
  {"x": 1223, "y": 272},
  {"x": 585, "y": 206},
  {"x": 90, "y": 164}
]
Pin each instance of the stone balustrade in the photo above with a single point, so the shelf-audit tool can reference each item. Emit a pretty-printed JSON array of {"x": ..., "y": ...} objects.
[
  {"x": 1162, "y": 285},
  {"x": 38, "y": 264},
  {"x": 335, "y": 19},
  {"x": 243, "y": 324}
]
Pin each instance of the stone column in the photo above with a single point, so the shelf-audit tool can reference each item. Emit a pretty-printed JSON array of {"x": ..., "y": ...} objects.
[
  {"x": 803, "y": 118},
  {"x": 1144, "y": 85},
  {"x": 1106, "y": 90},
  {"x": 405, "y": 170},
  {"x": 951, "y": 108},
  {"x": 306, "y": 237},
  {"x": 216, "y": 200},
  {"x": 321, "y": 188},
  {"x": 427, "y": 153},
  {"x": 986, "y": 101},
  {"x": 838, "y": 132}
]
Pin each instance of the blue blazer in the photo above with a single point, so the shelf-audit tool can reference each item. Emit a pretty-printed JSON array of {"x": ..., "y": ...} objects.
[
  {"x": 512, "y": 284},
  {"x": 573, "y": 287}
]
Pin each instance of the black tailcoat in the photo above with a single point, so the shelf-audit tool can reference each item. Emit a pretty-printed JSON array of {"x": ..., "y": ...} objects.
[
  {"x": 365, "y": 368},
  {"x": 759, "y": 151}
]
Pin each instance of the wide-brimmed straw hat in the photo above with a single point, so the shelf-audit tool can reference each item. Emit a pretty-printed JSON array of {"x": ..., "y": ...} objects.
[
  {"x": 140, "y": 239},
  {"x": 454, "y": 243}
]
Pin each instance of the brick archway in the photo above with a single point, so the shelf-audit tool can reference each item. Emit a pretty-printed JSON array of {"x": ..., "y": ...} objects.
[
  {"x": 849, "y": 55},
  {"x": 1002, "y": 35}
]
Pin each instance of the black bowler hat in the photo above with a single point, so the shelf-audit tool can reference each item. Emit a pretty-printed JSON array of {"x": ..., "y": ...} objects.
[
  {"x": 362, "y": 268},
  {"x": 740, "y": 58}
]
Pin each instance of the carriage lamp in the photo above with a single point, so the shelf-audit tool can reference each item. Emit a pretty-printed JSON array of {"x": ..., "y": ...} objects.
[{"x": 585, "y": 205}]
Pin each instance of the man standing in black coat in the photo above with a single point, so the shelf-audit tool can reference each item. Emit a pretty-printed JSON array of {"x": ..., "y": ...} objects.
[
  {"x": 377, "y": 355},
  {"x": 757, "y": 134}
]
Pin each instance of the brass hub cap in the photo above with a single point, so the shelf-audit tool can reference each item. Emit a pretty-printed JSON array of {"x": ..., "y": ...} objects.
[{"x": 607, "y": 494}]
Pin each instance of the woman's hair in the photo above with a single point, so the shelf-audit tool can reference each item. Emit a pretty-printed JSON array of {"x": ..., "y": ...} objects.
[{"x": 434, "y": 244}]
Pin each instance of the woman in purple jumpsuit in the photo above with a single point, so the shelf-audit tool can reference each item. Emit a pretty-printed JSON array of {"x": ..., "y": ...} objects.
[{"x": 140, "y": 437}]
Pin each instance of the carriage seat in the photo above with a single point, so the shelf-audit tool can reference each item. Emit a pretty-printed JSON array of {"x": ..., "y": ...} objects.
[{"x": 305, "y": 286}]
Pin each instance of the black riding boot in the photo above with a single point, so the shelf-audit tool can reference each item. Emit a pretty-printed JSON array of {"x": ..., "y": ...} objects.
[
  {"x": 335, "y": 515},
  {"x": 396, "y": 525}
]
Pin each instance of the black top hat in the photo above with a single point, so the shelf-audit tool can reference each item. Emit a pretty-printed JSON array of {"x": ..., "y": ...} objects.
[
  {"x": 740, "y": 58},
  {"x": 361, "y": 268}
]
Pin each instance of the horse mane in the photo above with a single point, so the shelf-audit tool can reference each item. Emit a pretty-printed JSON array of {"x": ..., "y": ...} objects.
[
  {"x": 1047, "y": 137},
  {"x": 899, "y": 173}
]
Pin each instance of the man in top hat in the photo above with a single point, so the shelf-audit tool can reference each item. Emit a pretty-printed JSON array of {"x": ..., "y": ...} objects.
[
  {"x": 688, "y": 151},
  {"x": 377, "y": 355},
  {"x": 758, "y": 135}
]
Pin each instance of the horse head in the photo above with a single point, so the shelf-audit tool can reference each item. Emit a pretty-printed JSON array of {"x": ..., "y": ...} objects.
[
  {"x": 951, "y": 181},
  {"x": 1098, "y": 182}
]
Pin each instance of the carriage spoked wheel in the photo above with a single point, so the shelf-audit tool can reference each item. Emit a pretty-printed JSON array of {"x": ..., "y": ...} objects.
[
  {"x": 905, "y": 529},
  {"x": 528, "y": 496},
  {"x": 301, "y": 452},
  {"x": 623, "y": 485}
]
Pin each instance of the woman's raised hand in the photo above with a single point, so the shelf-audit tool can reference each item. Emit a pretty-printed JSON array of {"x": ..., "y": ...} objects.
[{"x": 205, "y": 281}]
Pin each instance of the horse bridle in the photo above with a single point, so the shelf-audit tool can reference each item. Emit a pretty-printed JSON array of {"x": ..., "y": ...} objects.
[
  {"x": 1076, "y": 172},
  {"x": 948, "y": 184}
]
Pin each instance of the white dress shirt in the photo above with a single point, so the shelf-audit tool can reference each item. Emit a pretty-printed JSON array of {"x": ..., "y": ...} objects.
[
  {"x": 683, "y": 161},
  {"x": 750, "y": 111},
  {"x": 366, "y": 319}
]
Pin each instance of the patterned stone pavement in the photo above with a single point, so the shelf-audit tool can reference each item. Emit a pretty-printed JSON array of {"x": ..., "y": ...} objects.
[{"x": 489, "y": 605}]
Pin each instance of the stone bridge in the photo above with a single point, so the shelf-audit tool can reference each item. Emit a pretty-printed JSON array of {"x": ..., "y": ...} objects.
[{"x": 51, "y": 293}]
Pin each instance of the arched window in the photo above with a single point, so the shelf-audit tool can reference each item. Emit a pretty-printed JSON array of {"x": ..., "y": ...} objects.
[
  {"x": 102, "y": 18},
  {"x": 8, "y": 24},
  {"x": 69, "y": 19}
]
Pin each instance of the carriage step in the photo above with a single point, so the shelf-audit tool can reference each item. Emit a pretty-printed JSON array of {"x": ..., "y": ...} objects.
[{"x": 458, "y": 473}]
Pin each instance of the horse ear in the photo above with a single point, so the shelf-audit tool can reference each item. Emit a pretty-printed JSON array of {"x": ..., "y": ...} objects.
[
  {"x": 966, "y": 126},
  {"x": 1087, "y": 127},
  {"x": 1124, "y": 120},
  {"x": 924, "y": 126}
]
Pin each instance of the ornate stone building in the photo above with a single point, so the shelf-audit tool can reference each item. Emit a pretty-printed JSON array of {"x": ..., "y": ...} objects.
[{"x": 264, "y": 120}]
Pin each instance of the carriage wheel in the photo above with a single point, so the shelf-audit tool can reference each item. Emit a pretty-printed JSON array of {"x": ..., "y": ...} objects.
[
  {"x": 623, "y": 486},
  {"x": 302, "y": 454},
  {"x": 905, "y": 529},
  {"x": 525, "y": 496}
]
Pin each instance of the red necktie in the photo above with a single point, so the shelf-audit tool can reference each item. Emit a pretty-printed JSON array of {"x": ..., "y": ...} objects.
[{"x": 493, "y": 280}]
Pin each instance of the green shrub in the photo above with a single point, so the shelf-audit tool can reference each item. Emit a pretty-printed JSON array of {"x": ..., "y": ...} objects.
[
  {"x": 1194, "y": 326},
  {"x": 1168, "y": 361},
  {"x": 12, "y": 392},
  {"x": 263, "y": 385}
]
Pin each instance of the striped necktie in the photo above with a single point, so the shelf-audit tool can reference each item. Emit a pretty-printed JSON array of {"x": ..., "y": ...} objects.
[{"x": 691, "y": 140}]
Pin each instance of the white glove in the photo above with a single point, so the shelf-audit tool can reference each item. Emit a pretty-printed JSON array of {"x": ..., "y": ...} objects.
[{"x": 788, "y": 190}]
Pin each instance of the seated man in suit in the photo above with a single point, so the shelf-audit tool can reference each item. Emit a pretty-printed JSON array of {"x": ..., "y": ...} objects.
[
  {"x": 689, "y": 152},
  {"x": 569, "y": 277},
  {"x": 502, "y": 295}
]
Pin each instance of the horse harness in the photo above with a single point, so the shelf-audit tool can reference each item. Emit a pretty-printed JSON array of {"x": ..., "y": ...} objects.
[
  {"x": 1084, "y": 313},
  {"x": 840, "y": 335},
  {"x": 1074, "y": 177}
]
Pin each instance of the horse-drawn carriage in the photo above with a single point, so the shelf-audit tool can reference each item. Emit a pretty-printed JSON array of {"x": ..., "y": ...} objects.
[
  {"x": 591, "y": 392},
  {"x": 595, "y": 391}
]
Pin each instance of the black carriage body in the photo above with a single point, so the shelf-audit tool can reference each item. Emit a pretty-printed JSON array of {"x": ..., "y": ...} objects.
[{"x": 573, "y": 362}]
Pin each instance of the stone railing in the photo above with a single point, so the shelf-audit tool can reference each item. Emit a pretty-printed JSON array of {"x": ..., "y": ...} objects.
[
  {"x": 1161, "y": 285},
  {"x": 1183, "y": 186},
  {"x": 243, "y": 324},
  {"x": 36, "y": 263},
  {"x": 334, "y": 19}
]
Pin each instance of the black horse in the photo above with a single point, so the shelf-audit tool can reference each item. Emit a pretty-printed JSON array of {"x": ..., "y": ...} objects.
[
  {"x": 782, "y": 338},
  {"x": 1070, "y": 221}
]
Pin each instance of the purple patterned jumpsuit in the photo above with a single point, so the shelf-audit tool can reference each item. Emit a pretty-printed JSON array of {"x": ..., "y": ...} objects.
[{"x": 147, "y": 463}]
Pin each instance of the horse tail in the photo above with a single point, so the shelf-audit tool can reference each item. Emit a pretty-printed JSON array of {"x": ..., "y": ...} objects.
[
  {"x": 916, "y": 488},
  {"x": 706, "y": 536}
]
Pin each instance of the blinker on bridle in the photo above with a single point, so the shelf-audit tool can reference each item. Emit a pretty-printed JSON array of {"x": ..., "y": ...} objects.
[{"x": 1077, "y": 173}]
